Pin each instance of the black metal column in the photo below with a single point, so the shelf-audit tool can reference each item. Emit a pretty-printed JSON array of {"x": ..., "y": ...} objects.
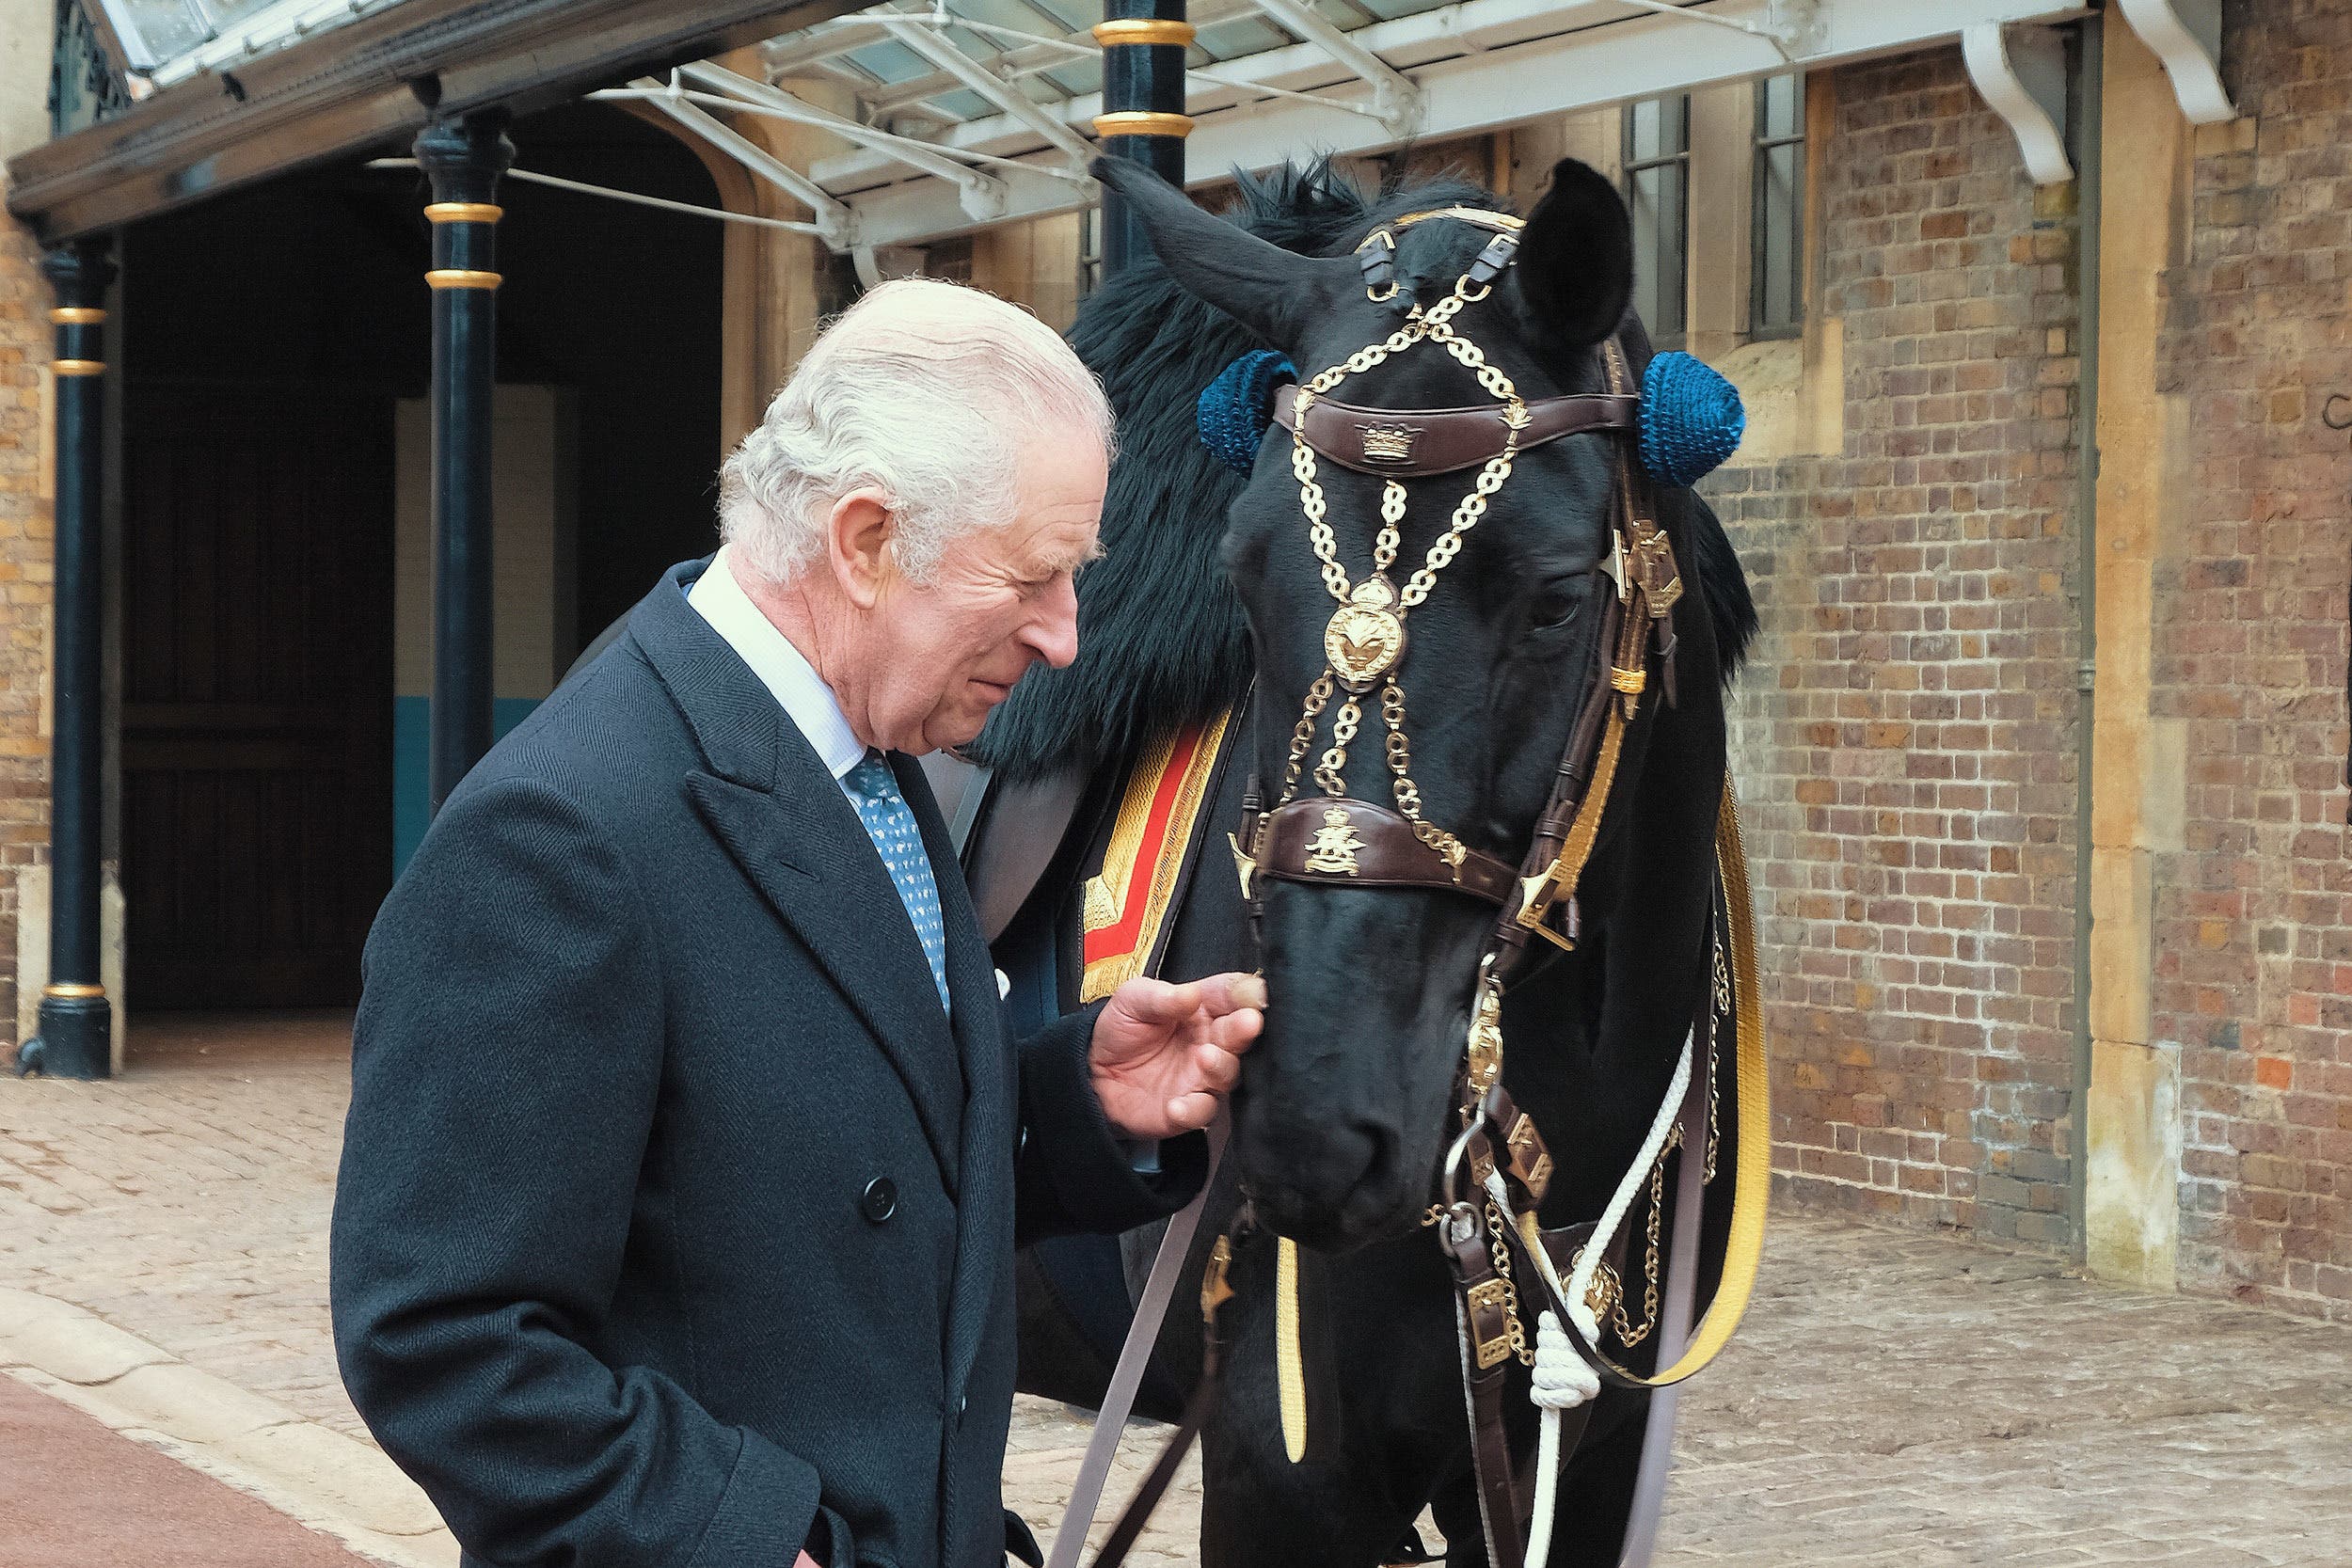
[
  {"x": 464, "y": 160},
  {"x": 1143, "y": 107},
  {"x": 76, "y": 1019}
]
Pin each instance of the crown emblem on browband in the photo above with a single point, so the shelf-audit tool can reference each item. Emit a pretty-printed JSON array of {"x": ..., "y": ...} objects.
[{"x": 1389, "y": 443}]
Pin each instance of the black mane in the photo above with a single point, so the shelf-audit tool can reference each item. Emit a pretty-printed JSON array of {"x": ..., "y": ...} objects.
[{"x": 1161, "y": 640}]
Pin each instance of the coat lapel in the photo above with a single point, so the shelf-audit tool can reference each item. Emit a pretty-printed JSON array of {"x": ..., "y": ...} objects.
[
  {"x": 984, "y": 1207},
  {"x": 783, "y": 818}
]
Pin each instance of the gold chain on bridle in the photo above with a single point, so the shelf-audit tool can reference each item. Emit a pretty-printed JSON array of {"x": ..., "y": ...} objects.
[{"x": 1365, "y": 640}]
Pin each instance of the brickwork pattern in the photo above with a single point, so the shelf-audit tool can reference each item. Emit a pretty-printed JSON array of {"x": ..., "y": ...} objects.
[
  {"x": 1905, "y": 738},
  {"x": 25, "y": 580},
  {"x": 1893, "y": 1400},
  {"x": 2253, "y": 907}
]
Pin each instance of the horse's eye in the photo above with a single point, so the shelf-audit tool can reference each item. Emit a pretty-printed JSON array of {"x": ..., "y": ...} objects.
[{"x": 1555, "y": 605}]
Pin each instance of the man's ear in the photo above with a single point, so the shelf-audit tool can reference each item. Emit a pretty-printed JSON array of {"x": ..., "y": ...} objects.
[{"x": 858, "y": 534}]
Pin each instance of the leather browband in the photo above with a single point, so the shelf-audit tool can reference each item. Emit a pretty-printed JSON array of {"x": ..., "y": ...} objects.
[
  {"x": 1414, "y": 443},
  {"x": 1369, "y": 846}
]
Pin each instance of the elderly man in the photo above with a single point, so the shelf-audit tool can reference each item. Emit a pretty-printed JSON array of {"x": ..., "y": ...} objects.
[{"x": 686, "y": 1157}]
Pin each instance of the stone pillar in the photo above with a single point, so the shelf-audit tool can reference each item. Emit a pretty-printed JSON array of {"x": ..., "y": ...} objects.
[
  {"x": 464, "y": 160},
  {"x": 1143, "y": 107},
  {"x": 2131, "y": 1204},
  {"x": 76, "y": 1019}
]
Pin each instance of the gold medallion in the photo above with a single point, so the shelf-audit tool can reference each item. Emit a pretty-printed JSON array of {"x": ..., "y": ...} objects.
[{"x": 1366, "y": 636}]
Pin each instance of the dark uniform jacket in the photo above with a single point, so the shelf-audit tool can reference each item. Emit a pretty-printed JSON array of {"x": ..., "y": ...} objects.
[{"x": 675, "y": 1222}]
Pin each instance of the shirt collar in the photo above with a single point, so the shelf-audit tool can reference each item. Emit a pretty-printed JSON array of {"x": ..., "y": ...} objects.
[{"x": 808, "y": 702}]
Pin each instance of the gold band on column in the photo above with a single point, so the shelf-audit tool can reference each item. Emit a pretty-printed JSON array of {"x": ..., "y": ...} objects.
[
  {"x": 463, "y": 211},
  {"x": 1142, "y": 29},
  {"x": 78, "y": 367},
  {"x": 66, "y": 991},
  {"x": 77, "y": 315},
  {"x": 1142, "y": 122},
  {"x": 458, "y": 278}
]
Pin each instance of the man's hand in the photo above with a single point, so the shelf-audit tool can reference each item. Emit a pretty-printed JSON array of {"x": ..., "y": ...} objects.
[{"x": 1164, "y": 1054}]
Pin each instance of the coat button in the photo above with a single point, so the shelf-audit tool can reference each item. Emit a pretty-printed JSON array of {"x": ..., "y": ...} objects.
[{"x": 880, "y": 1201}]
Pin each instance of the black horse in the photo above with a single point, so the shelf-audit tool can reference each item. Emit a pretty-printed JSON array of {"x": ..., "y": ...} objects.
[{"x": 1210, "y": 600}]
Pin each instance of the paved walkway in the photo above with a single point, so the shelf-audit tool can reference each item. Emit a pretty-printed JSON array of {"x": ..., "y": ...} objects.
[
  {"x": 146, "y": 1509},
  {"x": 1896, "y": 1400}
]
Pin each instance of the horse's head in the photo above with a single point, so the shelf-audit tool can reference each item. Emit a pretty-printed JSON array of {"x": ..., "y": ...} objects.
[{"x": 1345, "y": 1109}]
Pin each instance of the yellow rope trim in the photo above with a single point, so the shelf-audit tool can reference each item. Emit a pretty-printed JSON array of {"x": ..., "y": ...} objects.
[
  {"x": 1106, "y": 895},
  {"x": 461, "y": 277},
  {"x": 77, "y": 367},
  {"x": 1752, "y": 1176},
  {"x": 77, "y": 315},
  {"x": 67, "y": 991},
  {"x": 1569, "y": 868},
  {"x": 463, "y": 211},
  {"x": 1290, "y": 1371}
]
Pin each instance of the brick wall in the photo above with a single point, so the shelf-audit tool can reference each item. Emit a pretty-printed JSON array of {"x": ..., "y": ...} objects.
[
  {"x": 2253, "y": 910},
  {"x": 24, "y": 579},
  {"x": 1906, "y": 740}
]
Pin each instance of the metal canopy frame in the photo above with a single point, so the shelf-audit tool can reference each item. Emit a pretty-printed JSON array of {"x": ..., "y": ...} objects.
[
  {"x": 364, "y": 85},
  {"x": 974, "y": 112}
]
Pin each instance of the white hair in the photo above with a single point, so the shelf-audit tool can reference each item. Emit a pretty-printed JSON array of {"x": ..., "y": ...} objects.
[{"x": 925, "y": 390}]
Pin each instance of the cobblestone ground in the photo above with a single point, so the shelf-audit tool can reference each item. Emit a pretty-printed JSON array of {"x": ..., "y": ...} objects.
[{"x": 1895, "y": 1399}]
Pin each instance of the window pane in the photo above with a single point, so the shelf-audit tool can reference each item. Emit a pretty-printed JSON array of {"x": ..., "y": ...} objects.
[
  {"x": 1642, "y": 138},
  {"x": 1783, "y": 107},
  {"x": 1784, "y": 175},
  {"x": 1671, "y": 271},
  {"x": 1657, "y": 134},
  {"x": 1643, "y": 202},
  {"x": 1777, "y": 238}
]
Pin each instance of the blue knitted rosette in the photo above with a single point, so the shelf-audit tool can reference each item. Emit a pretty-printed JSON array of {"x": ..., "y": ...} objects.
[
  {"x": 1236, "y": 407},
  {"x": 1692, "y": 418}
]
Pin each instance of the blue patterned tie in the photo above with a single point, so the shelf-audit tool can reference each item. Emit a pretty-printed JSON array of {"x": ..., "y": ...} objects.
[{"x": 890, "y": 823}]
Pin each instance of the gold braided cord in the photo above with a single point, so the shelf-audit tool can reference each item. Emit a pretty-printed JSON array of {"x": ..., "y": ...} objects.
[
  {"x": 1290, "y": 1367},
  {"x": 1568, "y": 868}
]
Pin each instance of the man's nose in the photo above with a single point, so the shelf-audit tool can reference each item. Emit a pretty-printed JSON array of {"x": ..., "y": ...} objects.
[{"x": 1054, "y": 632}]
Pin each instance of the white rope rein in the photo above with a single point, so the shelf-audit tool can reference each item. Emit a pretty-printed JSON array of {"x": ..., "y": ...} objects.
[
  {"x": 1562, "y": 1381},
  {"x": 1581, "y": 1281}
]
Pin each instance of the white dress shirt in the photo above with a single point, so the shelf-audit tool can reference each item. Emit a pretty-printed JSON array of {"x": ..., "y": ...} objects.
[{"x": 808, "y": 702}]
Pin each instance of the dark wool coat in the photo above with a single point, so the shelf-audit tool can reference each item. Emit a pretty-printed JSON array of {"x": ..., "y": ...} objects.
[{"x": 675, "y": 1223}]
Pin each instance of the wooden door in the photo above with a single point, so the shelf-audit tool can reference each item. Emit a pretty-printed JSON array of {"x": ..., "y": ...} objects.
[{"x": 256, "y": 690}]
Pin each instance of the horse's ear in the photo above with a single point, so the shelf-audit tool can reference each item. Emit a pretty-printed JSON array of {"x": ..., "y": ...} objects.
[
  {"x": 1575, "y": 271},
  {"x": 1272, "y": 292}
]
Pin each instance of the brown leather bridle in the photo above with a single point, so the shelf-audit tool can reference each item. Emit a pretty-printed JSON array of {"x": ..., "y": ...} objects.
[
  {"x": 1497, "y": 1170},
  {"x": 1538, "y": 896}
]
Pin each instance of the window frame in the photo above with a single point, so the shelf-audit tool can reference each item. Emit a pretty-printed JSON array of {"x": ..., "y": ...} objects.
[
  {"x": 1629, "y": 167},
  {"x": 1762, "y": 145}
]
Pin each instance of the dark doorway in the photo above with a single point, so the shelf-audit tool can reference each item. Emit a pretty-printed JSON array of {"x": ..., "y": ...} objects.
[
  {"x": 270, "y": 336},
  {"x": 256, "y": 712}
]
